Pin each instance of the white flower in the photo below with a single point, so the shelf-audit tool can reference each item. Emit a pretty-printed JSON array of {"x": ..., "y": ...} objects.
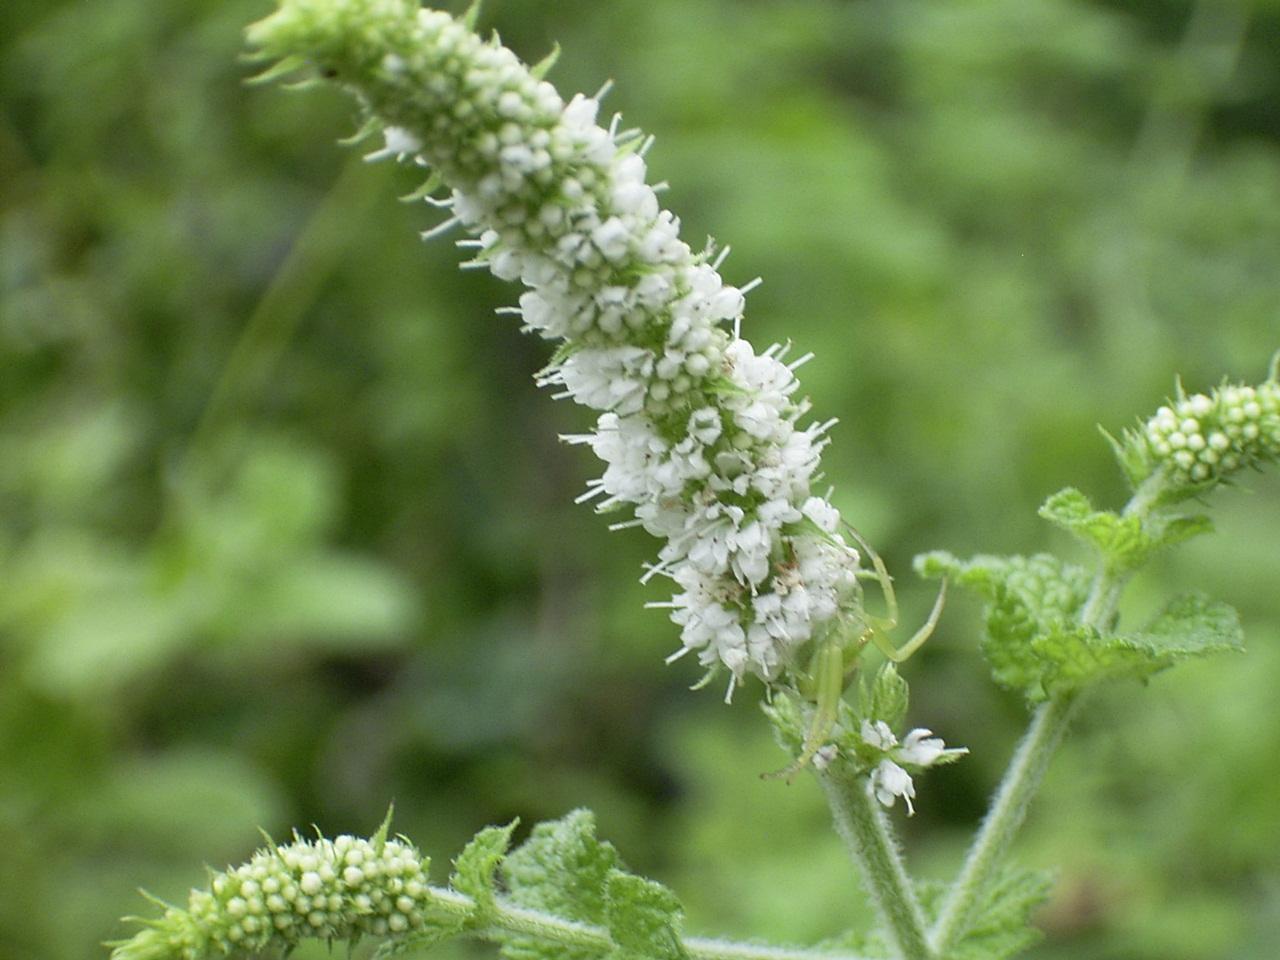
[
  {"x": 922, "y": 749},
  {"x": 918, "y": 749},
  {"x": 889, "y": 781},
  {"x": 878, "y": 735}
]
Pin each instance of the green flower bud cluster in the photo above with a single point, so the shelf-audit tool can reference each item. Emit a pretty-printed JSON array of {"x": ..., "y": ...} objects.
[
  {"x": 339, "y": 889},
  {"x": 1204, "y": 438}
]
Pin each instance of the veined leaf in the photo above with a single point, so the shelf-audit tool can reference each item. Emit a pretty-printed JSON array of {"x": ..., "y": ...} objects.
[
  {"x": 474, "y": 868},
  {"x": 643, "y": 918},
  {"x": 1124, "y": 542},
  {"x": 563, "y": 869}
]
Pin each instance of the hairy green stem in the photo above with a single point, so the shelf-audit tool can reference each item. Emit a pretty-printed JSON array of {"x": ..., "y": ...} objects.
[
  {"x": 1030, "y": 761},
  {"x": 1008, "y": 810},
  {"x": 862, "y": 825},
  {"x": 508, "y": 919}
]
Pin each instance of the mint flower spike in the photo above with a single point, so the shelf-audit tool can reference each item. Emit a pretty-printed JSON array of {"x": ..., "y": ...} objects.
[
  {"x": 341, "y": 889},
  {"x": 700, "y": 432},
  {"x": 1204, "y": 438}
]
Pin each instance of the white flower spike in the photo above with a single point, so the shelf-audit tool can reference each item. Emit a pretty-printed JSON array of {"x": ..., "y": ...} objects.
[{"x": 701, "y": 434}]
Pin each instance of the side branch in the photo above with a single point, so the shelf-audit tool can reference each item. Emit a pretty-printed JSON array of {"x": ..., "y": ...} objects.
[
  {"x": 1008, "y": 810},
  {"x": 1031, "y": 760}
]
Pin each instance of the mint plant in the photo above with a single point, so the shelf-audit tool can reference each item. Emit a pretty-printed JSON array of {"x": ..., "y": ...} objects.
[{"x": 707, "y": 447}]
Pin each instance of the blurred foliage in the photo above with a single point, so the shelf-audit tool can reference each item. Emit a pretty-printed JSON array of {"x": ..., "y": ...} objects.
[{"x": 285, "y": 531}]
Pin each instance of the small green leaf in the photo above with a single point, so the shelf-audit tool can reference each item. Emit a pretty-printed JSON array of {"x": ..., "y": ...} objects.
[
  {"x": 425, "y": 189},
  {"x": 473, "y": 870},
  {"x": 1074, "y": 656},
  {"x": 1182, "y": 491},
  {"x": 1121, "y": 540},
  {"x": 367, "y": 129},
  {"x": 1171, "y": 530},
  {"x": 562, "y": 353},
  {"x": 562, "y": 869},
  {"x": 1191, "y": 626},
  {"x": 643, "y": 918},
  {"x": 723, "y": 386},
  {"x": 1125, "y": 542},
  {"x": 1034, "y": 641},
  {"x": 788, "y": 721},
  {"x": 1001, "y": 927},
  {"x": 889, "y": 697},
  {"x": 1131, "y": 454},
  {"x": 1029, "y": 599}
]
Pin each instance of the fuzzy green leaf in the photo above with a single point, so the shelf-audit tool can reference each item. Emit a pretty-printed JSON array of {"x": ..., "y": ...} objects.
[
  {"x": 1121, "y": 540},
  {"x": 379, "y": 839},
  {"x": 1073, "y": 656},
  {"x": 1001, "y": 927},
  {"x": 281, "y": 68},
  {"x": 790, "y": 717},
  {"x": 1035, "y": 643},
  {"x": 1191, "y": 626},
  {"x": 1131, "y": 455},
  {"x": 562, "y": 868},
  {"x": 1124, "y": 542},
  {"x": 1029, "y": 599},
  {"x": 643, "y": 918},
  {"x": 473, "y": 870},
  {"x": 1170, "y": 530},
  {"x": 888, "y": 697},
  {"x": 788, "y": 722}
]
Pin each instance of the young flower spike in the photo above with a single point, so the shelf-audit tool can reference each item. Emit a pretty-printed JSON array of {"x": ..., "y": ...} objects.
[
  {"x": 1205, "y": 438},
  {"x": 701, "y": 434},
  {"x": 335, "y": 890}
]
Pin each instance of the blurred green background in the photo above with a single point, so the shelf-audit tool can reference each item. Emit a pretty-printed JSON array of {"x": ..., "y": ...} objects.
[{"x": 286, "y": 533}]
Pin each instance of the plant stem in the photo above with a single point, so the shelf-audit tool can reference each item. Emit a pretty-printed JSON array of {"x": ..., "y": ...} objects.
[
  {"x": 1030, "y": 761},
  {"x": 507, "y": 919},
  {"x": 862, "y": 825},
  {"x": 1008, "y": 810}
]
